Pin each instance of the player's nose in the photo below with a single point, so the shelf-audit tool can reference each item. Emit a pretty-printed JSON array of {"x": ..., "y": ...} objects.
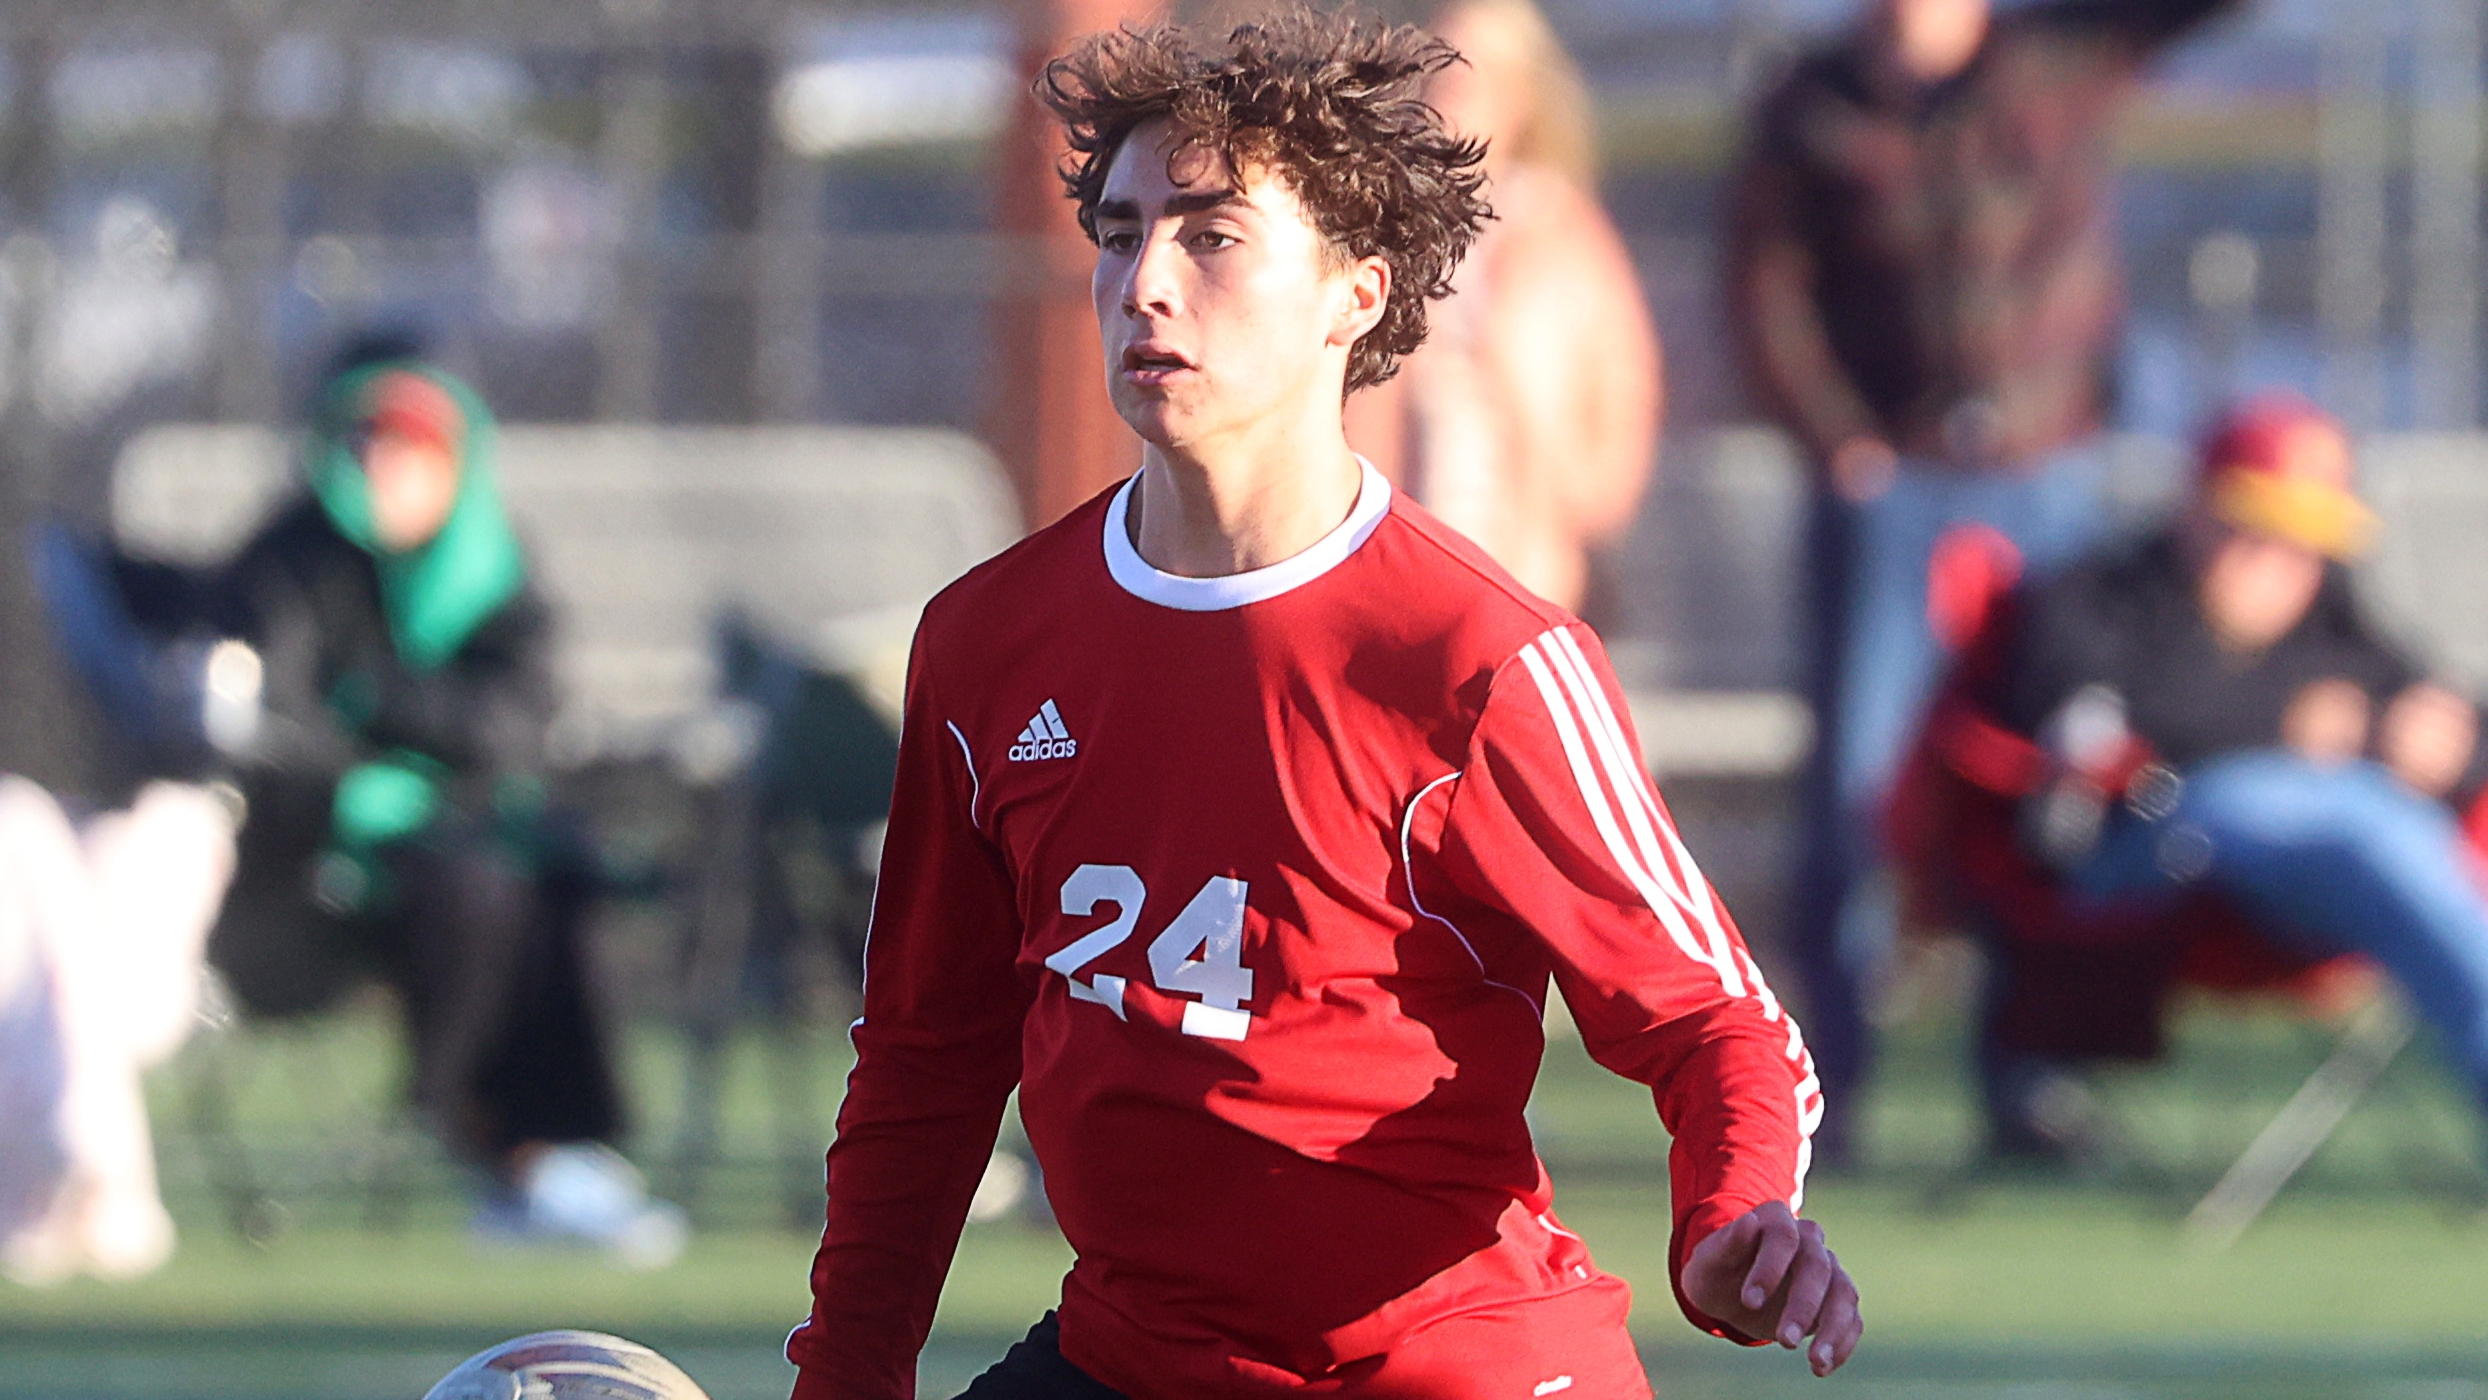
[{"x": 1154, "y": 285}]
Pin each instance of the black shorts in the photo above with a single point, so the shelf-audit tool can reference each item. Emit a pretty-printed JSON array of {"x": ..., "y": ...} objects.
[{"x": 1034, "y": 1369}]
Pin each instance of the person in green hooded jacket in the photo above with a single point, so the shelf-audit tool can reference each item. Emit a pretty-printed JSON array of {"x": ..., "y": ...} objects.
[{"x": 397, "y": 822}]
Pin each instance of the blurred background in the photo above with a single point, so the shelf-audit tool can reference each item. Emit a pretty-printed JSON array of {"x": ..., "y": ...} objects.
[{"x": 759, "y": 292}]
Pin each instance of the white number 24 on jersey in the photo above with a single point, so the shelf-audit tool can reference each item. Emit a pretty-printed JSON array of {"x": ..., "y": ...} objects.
[{"x": 1212, "y": 924}]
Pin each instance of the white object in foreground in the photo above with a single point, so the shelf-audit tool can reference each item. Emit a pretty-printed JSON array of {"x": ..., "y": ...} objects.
[
  {"x": 566, "y": 1365},
  {"x": 103, "y": 937}
]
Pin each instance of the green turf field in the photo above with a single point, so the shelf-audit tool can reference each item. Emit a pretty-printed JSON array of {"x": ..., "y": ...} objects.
[{"x": 2370, "y": 1278}]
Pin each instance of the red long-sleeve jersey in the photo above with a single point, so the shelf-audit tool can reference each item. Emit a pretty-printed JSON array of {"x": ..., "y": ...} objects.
[{"x": 1253, "y": 886}]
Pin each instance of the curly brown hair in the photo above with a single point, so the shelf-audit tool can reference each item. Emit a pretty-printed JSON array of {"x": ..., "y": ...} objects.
[{"x": 1328, "y": 103}]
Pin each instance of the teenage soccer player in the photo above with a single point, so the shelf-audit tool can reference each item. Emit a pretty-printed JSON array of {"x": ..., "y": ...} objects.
[{"x": 1243, "y": 817}]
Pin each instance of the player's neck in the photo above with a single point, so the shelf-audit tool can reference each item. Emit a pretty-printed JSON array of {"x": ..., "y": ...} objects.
[{"x": 1237, "y": 506}]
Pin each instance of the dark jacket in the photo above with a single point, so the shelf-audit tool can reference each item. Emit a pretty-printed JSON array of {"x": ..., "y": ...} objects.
[
  {"x": 1936, "y": 266},
  {"x": 336, "y": 690},
  {"x": 2130, "y": 620},
  {"x": 339, "y": 698}
]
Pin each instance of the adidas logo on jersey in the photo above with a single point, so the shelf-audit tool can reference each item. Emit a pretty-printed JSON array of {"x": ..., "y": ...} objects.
[{"x": 1045, "y": 737}]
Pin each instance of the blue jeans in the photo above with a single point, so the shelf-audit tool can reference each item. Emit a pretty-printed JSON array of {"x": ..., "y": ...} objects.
[
  {"x": 1875, "y": 663},
  {"x": 2330, "y": 860}
]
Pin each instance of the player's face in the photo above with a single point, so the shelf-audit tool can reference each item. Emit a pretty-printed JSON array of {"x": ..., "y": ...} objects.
[{"x": 1221, "y": 307}]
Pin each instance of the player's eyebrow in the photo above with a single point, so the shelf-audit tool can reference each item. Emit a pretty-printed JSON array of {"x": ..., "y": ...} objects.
[
  {"x": 1204, "y": 200},
  {"x": 1194, "y": 203}
]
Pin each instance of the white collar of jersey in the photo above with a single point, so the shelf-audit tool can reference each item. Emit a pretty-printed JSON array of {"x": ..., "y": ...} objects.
[{"x": 1142, "y": 580}]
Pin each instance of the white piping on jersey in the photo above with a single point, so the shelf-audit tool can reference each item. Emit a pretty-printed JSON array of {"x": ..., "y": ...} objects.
[
  {"x": 976, "y": 786},
  {"x": 1408, "y": 871},
  {"x": 786, "y": 1349},
  {"x": 1547, "y": 1223},
  {"x": 1142, "y": 580},
  {"x": 1576, "y": 703},
  {"x": 1686, "y": 886}
]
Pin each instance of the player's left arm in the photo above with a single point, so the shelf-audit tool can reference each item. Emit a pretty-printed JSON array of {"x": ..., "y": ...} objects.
[{"x": 1554, "y": 821}]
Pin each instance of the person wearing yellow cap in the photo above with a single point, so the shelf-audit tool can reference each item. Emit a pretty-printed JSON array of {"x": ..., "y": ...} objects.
[{"x": 2209, "y": 712}]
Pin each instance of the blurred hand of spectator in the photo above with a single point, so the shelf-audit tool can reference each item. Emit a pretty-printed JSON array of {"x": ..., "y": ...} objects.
[
  {"x": 1863, "y": 468},
  {"x": 2427, "y": 737},
  {"x": 2326, "y": 722}
]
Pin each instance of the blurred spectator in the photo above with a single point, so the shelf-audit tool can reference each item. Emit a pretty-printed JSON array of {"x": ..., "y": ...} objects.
[
  {"x": 383, "y": 690},
  {"x": 1529, "y": 421},
  {"x": 1926, "y": 288},
  {"x": 102, "y": 941},
  {"x": 2198, "y": 725}
]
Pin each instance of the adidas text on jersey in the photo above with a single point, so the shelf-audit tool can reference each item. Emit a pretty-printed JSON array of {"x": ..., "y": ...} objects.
[{"x": 1044, "y": 737}]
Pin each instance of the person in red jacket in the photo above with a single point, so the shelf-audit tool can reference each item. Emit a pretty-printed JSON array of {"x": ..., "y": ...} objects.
[{"x": 1244, "y": 817}]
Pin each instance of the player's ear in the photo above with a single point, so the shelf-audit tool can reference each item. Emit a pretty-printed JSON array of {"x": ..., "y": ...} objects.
[{"x": 1365, "y": 290}]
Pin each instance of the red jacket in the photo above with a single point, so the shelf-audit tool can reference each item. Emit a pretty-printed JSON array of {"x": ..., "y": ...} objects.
[{"x": 1253, "y": 887}]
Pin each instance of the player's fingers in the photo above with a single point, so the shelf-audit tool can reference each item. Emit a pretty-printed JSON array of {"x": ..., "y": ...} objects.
[
  {"x": 1839, "y": 1336},
  {"x": 1809, "y": 1278},
  {"x": 1723, "y": 1252},
  {"x": 1777, "y": 1246},
  {"x": 1839, "y": 1326}
]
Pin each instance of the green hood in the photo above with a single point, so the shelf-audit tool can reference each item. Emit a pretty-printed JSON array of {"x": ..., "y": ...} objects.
[{"x": 436, "y": 595}]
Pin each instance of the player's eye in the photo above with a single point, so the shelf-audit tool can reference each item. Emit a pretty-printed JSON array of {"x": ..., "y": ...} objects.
[
  {"x": 1211, "y": 240},
  {"x": 1118, "y": 240}
]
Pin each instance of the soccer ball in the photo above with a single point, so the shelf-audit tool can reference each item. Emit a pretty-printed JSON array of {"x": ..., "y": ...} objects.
[{"x": 566, "y": 1365}]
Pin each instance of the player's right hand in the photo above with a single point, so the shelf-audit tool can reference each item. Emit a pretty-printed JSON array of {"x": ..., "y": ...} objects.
[{"x": 1768, "y": 1274}]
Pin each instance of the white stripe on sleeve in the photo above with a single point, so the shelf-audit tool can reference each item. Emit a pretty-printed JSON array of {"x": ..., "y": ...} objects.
[
  {"x": 1602, "y": 815},
  {"x": 1654, "y": 858},
  {"x": 1684, "y": 883}
]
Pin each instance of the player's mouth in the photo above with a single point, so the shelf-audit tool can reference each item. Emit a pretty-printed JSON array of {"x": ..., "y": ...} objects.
[{"x": 1151, "y": 364}]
